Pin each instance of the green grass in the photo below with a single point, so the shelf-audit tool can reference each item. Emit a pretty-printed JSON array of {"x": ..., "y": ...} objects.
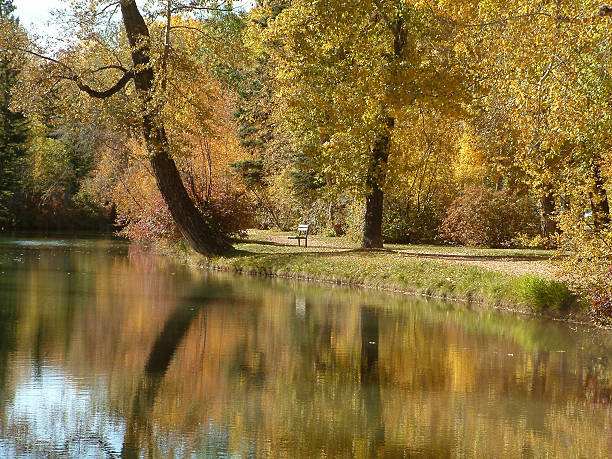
[
  {"x": 545, "y": 295},
  {"x": 388, "y": 270},
  {"x": 346, "y": 243}
]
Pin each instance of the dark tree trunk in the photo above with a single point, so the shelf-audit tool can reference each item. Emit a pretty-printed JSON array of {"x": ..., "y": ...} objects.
[
  {"x": 186, "y": 215},
  {"x": 548, "y": 225},
  {"x": 599, "y": 199},
  {"x": 372, "y": 228}
]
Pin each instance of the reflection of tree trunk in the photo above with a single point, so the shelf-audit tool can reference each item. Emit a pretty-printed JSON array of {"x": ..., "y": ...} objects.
[
  {"x": 157, "y": 364},
  {"x": 184, "y": 212},
  {"x": 370, "y": 381},
  {"x": 377, "y": 170},
  {"x": 548, "y": 225},
  {"x": 599, "y": 199}
]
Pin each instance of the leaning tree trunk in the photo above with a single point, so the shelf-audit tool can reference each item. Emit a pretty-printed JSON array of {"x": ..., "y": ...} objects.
[
  {"x": 372, "y": 229},
  {"x": 186, "y": 215}
]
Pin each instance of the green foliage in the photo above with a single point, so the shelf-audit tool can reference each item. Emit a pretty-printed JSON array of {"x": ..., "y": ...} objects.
[
  {"x": 544, "y": 295},
  {"x": 250, "y": 171},
  {"x": 13, "y": 125},
  {"x": 404, "y": 224}
]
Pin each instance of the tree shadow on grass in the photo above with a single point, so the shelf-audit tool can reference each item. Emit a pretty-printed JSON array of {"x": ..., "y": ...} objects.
[
  {"x": 261, "y": 242},
  {"x": 332, "y": 253}
]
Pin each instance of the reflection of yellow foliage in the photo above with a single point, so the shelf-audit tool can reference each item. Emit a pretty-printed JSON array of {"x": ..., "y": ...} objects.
[
  {"x": 447, "y": 382},
  {"x": 462, "y": 370}
]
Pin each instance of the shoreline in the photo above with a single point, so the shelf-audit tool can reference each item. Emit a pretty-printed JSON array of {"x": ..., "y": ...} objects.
[{"x": 529, "y": 295}]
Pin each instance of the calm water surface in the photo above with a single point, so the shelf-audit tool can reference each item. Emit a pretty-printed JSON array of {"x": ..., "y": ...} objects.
[{"x": 107, "y": 351}]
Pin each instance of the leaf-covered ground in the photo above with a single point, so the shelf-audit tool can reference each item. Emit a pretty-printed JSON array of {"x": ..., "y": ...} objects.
[{"x": 516, "y": 262}]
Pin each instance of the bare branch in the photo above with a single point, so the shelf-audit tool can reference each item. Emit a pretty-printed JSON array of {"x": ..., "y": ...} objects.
[
  {"x": 123, "y": 81},
  {"x": 110, "y": 5},
  {"x": 109, "y": 67},
  {"x": 47, "y": 58},
  {"x": 194, "y": 7},
  {"x": 167, "y": 31}
]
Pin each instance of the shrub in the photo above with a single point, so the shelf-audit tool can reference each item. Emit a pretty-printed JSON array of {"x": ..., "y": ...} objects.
[
  {"x": 585, "y": 258},
  {"x": 600, "y": 299},
  {"x": 229, "y": 212},
  {"x": 483, "y": 217},
  {"x": 545, "y": 295},
  {"x": 403, "y": 224}
]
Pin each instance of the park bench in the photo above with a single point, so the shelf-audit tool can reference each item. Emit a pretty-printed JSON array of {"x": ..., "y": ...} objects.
[{"x": 302, "y": 233}]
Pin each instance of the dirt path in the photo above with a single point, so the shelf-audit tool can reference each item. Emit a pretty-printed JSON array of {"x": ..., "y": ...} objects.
[{"x": 515, "y": 267}]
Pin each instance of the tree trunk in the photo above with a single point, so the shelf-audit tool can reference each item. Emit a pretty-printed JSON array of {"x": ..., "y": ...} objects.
[
  {"x": 548, "y": 225},
  {"x": 186, "y": 215},
  {"x": 372, "y": 229},
  {"x": 599, "y": 199}
]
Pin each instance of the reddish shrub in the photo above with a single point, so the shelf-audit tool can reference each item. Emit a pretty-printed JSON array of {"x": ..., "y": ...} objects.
[
  {"x": 601, "y": 303},
  {"x": 230, "y": 212},
  {"x": 483, "y": 217}
]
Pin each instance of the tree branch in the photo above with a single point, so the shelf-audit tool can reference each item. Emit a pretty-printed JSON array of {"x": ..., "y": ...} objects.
[
  {"x": 180, "y": 8},
  {"x": 195, "y": 29},
  {"x": 118, "y": 86},
  {"x": 123, "y": 81},
  {"x": 605, "y": 10},
  {"x": 108, "y": 67}
]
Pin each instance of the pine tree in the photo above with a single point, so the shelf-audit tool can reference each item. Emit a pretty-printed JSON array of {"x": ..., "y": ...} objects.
[{"x": 13, "y": 125}]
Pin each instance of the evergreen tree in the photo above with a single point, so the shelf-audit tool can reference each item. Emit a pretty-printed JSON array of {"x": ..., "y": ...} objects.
[
  {"x": 259, "y": 125},
  {"x": 13, "y": 125}
]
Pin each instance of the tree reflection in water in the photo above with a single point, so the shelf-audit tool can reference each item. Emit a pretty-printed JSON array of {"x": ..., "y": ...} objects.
[
  {"x": 157, "y": 364},
  {"x": 107, "y": 354}
]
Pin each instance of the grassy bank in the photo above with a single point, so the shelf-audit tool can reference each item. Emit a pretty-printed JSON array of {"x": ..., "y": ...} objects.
[{"x": 397, "y": 271}]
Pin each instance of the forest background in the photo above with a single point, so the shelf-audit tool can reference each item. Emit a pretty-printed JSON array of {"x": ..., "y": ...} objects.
[{"x": 481, "y": 123}]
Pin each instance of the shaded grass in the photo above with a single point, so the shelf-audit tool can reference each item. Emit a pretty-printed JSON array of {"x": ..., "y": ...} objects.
[
  {"x": 346, "y": 243},
  {"x": 387, "y": 270}
]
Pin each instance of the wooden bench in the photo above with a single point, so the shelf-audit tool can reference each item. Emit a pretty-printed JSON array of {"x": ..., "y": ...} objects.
[{"x": 302, "y": 233}]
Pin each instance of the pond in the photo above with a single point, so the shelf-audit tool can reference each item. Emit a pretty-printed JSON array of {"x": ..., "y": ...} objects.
[{"x": 107, "y": 350}]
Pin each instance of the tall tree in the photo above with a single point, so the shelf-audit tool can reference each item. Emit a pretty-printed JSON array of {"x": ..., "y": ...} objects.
[
  {"x": 186, "y": 215},
  {"x": 351, "y": 73},
  {"x": 151, "y": 72},
  {"x": 13, "y": 125}
]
